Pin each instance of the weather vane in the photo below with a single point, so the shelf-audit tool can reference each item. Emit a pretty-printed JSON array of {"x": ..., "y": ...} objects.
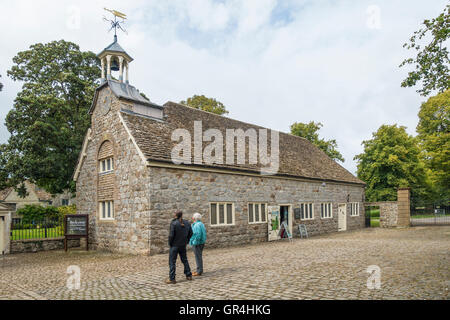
[{"x": 115, "y": 23}]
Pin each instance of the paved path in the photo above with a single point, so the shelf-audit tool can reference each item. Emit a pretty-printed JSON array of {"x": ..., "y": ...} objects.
[{"x": 414, "y": 262}]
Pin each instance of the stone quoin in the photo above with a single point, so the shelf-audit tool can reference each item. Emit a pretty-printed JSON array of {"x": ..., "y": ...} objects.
[{"x": 128, "y": 183}]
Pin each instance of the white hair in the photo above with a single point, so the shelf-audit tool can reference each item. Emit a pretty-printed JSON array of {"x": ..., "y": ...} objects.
[{"x": 197, "y": 216}]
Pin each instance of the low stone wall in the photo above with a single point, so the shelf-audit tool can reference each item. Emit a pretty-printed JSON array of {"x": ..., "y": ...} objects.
[
  {"x": 394, "y": 213},
  {"x": 35, "y": 245}
]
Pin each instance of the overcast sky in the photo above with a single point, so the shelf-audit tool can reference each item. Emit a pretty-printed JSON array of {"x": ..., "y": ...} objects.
[{"x": 270, "y": 62}]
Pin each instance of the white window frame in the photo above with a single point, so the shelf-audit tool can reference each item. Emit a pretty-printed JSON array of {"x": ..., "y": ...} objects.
[
  {"x": 326, "y": 210},
  {"x": 103, "y": 211},
  {"x": 103, "y": 165},
  {"x": 309, "y": 205},
  {"x": 226, "y": 222},
  {"x": 354, "y": 209},
  {"x": 260, "y": 213}
]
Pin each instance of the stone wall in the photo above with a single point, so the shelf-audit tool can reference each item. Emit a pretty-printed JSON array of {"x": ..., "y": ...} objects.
[
  {"x": 394, "y": 213},
  {"x": 192, "y": 191},
  {"x": 30, "y": 245},
  {"x": 128, "y": 232}
]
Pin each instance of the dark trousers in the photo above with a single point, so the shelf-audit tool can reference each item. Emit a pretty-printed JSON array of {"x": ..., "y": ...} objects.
[
  {"x": 173, "y": 253},
  {"x": 198, "y": 251}
]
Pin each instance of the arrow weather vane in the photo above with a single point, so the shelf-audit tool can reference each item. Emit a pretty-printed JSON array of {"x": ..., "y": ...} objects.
[{"x": 115, "y": 23}]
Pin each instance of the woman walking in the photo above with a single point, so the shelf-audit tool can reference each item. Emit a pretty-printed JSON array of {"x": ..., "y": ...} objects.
[
  {"x": 180, "y": 233},
  {"x": 197, "y": 242}
]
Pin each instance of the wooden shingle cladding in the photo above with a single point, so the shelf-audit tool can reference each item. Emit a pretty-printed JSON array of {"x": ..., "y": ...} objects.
[{"x": 298, "y": 157}]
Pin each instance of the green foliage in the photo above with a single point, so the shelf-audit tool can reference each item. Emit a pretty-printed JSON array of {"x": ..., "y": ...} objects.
[
  {"x": 206, "y": 104},
  {"x": 391, "y": 159},
  {"x": 434, "y": 137},
  {"x": 432, "y": 60},
  {"x": 50, "y": 115},
  {"x": 310, "y": 131},
  {"x": 65, "y": 210},
  {"x": 1, "y": 84},
  {"x": 35, "y": 212}
]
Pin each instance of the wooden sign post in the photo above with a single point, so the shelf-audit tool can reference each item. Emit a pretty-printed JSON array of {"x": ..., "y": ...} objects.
[{"x": 76, "y": 226}]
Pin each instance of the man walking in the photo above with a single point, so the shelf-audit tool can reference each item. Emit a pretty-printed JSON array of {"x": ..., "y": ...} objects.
[{"x": 179, "y": 236}]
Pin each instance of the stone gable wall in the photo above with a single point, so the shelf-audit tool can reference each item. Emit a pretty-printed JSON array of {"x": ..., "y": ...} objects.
[
  {"x": 192, "y": 191},
  {"x": 128, "y": 185}
]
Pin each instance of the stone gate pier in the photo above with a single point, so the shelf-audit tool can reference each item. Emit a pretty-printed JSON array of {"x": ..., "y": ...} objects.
[{"x": 394, "y": 213}]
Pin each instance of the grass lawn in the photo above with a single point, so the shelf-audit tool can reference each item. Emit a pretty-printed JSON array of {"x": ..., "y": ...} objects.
[
  {"x": 374, "y": 222},
  {"x": 37, "y": 233}
]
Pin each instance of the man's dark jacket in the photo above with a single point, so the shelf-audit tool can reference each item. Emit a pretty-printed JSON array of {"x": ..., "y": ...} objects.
[{"x": 179, "y": 236}]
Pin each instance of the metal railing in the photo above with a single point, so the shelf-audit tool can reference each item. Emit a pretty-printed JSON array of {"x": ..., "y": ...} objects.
[
  {"x": 430, "y": 215},
  {"x": 37, "y": 229}
]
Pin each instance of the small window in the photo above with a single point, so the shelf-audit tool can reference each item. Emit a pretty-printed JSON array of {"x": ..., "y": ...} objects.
[
  {"x": 106, "y": 209},
  {"x": 326, "y": 210},
  {"x": 354, "y": 209},
  {"x": 106, "y": 165},
  {"x": 222, "y": 214},
  {"x": 307, "y": 211},
  {"x": 65, "y": 202},
  {"x": 257, "y": 213}
]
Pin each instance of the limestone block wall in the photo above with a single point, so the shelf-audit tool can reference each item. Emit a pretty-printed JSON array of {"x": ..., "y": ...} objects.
[
  {"x": 128, "y": 186},
  {"x": 35, "y": 245},
  {"x": 394, "y": 213},
  {"x": 192, "y": 191}
]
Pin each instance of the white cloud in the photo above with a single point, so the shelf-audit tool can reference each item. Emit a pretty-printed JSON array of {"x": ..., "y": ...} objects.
[{"x": 319, "y": 61}]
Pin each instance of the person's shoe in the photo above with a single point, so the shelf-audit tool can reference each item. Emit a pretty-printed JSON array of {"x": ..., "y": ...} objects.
[
  {"x": 168, "y": 281},
  {"x": 196, "y": 274},
  {"x": 189, "y": 278}
]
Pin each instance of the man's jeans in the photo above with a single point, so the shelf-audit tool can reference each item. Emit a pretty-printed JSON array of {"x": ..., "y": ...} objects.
[
  {"x": 198, "y": 251},
  {"x": 173, "y": 253}
]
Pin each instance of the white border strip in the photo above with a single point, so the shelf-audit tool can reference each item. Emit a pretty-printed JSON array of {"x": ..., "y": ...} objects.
[{"x": 87, "y": 138}]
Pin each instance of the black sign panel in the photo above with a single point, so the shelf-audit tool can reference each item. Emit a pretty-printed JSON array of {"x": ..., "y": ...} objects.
[{"x": 77, "y": 225}]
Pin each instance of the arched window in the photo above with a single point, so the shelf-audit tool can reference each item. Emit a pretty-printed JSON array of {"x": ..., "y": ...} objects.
[
  {"x": 106, "y": 182},
  {"x": 106, "y": 158}
]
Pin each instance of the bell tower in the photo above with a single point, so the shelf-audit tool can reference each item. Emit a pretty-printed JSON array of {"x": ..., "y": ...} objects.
[{"x": 114, "y": 57}]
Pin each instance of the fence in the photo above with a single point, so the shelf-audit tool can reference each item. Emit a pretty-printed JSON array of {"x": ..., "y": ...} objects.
[
  {"x": 37, "y": 229},
  {"x": 430, "y": 214}
]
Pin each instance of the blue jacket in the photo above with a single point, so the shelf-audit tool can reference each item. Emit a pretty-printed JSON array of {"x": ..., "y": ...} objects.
[{"x": 198, "y": 234}]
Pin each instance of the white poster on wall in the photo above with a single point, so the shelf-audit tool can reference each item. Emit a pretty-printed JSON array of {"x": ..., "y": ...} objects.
[{"x": 274, "y": 222}]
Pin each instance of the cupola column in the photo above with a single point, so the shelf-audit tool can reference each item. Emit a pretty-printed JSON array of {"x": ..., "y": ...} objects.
[
  {"x": 108, "y": 67},
  {"x": 120, "y": 68}
]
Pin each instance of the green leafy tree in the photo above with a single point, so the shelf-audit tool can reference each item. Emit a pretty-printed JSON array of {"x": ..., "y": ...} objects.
[
  {"x": 434, "y": 137},
  {"x": 310, "y": 131},
  {"x": 50, "y": 115},
  {"x": 206, "y": 104},
  {"x": 1, "y": 84},
  {"x": 391, "y": 160},
  {"x": 432, "y": 60}
]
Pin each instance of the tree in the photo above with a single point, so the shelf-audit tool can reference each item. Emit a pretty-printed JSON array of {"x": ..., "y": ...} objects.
[
  {"x": 391, "y": 159},
  {"x": 434, "y": 137},
  {"x": 309, "y": 131},
  {"x": 50, "y": 115},
  {"x": 206, "y": 104},
  {"x": 432, "y": 60},
  {"x": 1, "y": 84}
]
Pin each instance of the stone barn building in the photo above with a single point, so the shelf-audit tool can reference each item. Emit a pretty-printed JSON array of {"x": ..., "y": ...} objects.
[{"x": 130, "y": 184}]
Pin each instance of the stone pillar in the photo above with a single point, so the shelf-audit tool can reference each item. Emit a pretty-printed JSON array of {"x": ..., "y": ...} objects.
[
  {"x": 403, "y": 200},
  {"x": 108, "y": 67},
  {"x": 121, "y": 69},
  {"x": 103, "y": 69},
  {"x": 5, "y": 224}
]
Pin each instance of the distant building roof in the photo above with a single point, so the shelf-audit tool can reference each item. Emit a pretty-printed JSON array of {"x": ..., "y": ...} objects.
[{"x": 40, "y": 193}]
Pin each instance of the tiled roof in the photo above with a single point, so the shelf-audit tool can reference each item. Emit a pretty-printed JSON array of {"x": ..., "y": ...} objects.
[
  {"x": 298, "y": 157},
  {"x": 4, "y": 193}
]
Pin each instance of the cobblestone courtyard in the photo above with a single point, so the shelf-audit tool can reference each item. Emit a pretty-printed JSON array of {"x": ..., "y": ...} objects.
[{"x": 414, "y": 262}]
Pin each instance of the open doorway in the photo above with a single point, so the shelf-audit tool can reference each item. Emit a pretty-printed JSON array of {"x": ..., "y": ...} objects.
[{"x": 286, "y": 216}]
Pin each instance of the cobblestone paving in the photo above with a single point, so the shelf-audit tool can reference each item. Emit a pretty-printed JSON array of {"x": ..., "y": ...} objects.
[{"x": 414, "y": 262}]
